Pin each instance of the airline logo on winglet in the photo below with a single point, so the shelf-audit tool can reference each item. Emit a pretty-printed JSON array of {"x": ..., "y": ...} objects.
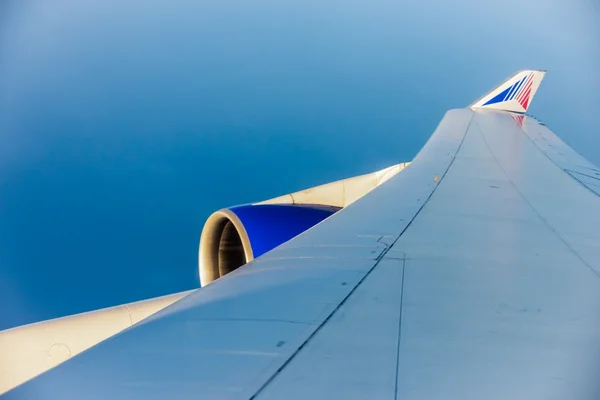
[
  {"x": 515, "y": 94},
  {"x": 519, "y": 91}
]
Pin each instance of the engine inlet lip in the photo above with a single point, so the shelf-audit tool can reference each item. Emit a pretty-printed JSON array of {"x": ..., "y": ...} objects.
[{"x": 209, "y": 243}]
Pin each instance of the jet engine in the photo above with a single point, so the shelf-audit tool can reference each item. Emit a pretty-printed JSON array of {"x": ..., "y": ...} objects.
[{"x": 235, "y": 236}]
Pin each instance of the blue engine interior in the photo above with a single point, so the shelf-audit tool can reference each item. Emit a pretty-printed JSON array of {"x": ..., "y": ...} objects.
[
  {"x": 269, "y": 225},
  {"x": 235, "y": 236}
]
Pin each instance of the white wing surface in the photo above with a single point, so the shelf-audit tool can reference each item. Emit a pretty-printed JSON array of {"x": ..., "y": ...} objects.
[{"x": 472, "y": 274}]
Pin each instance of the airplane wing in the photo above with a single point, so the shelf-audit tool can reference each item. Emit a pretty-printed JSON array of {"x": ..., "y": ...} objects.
[{"x": 471, "y": 274}]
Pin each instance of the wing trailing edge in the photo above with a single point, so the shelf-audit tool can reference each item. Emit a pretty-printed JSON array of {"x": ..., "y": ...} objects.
[{"x": 515, "y": 94}]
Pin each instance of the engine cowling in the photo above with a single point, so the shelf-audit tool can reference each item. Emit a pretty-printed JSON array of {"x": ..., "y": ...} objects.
[{"x": 235, "y": 236}]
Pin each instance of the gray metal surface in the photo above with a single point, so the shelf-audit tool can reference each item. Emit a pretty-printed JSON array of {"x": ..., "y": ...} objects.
[
  {"x": 472, "y": 274},
  {"x": 499, "y": 299},
  {"x": 562, "y": 155}
]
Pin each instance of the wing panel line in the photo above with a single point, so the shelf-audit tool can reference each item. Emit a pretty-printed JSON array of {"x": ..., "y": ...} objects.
[{"x": 400, "y": 329}]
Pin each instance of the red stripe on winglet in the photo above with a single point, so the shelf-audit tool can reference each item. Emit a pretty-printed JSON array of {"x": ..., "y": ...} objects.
[
  {"x": 525, "y": 90},
  {"x": 524, "y": 87},
  {"x": 525, "y": 102}
]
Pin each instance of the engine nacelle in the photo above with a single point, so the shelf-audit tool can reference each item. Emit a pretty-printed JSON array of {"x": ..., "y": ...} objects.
[{"x": 235, "y": 236}]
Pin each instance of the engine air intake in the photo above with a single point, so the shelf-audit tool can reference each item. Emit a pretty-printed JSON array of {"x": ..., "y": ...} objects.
[{"x": 235, "y": 236}]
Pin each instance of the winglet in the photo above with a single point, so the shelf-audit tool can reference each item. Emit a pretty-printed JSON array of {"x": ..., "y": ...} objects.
[{"x": 515, "y": 94}]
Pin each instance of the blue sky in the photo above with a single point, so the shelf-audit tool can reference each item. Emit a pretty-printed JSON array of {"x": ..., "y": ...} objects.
[{"x": 123, "y": 125}]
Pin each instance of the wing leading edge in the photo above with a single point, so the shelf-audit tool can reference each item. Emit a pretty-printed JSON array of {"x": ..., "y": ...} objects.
[{"x": 471, "y": 274}]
